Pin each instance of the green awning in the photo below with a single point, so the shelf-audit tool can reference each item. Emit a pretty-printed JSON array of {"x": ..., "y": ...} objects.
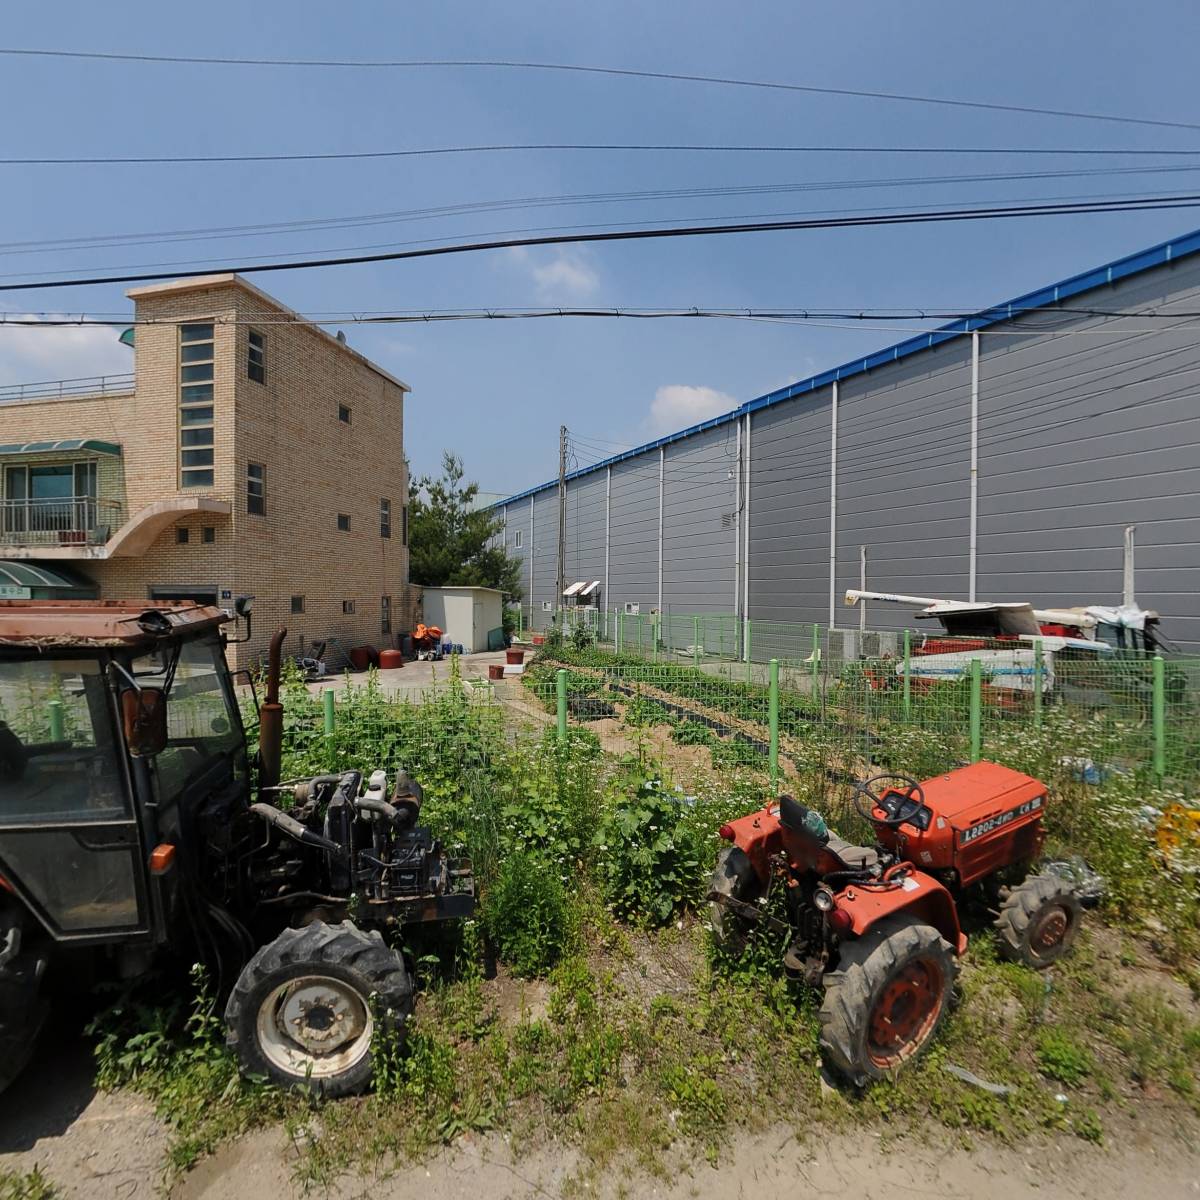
[
  {"x": 35, "y": 581},
  {"x": 60, "y": 446}
]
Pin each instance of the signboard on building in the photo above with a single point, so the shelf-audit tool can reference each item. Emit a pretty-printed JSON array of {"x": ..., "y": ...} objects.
[{"x": 11, "y": 591}]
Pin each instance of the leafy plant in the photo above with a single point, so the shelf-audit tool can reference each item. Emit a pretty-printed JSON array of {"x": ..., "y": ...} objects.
[
  {"x": 527, "y": 915},
  {"x": 649, "y": 861},
  {"x": 26, "y": 1185},
  {"x": 692, "y": 733},
  {"x": 1061, "y": 1057}
]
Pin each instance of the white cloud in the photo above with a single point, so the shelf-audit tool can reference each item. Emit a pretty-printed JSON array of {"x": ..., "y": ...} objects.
[
  {"x": 566, "y": 276},
  {"x": 678, "y": 405},
  {"x": 29, "y": 354}
]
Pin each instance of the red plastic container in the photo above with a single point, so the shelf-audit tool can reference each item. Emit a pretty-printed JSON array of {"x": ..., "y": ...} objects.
[
  {"x": 389, "y": 660},
  {"x": 360, "y": 657},
  {"x": 495, "y": 670},
  {"x": 514, "y": 658},
  {"x": 539, "y": 639}
]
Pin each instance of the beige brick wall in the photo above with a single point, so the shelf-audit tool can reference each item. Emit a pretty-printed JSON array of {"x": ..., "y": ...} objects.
[{"x": 316, "y": 467}]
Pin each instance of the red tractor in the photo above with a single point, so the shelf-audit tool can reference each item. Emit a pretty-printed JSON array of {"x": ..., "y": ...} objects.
[{"x": 878, "y": 926}]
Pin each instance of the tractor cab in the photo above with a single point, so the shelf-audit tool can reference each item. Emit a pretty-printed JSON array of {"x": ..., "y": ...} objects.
[{"x": 117, "y": 722}]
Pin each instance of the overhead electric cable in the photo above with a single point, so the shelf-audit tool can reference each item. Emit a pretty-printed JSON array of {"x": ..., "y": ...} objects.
[
  {"x": 663, "y": 232},
  {"x": 229, "y": 232},
  {"x": 601, "y": 147},
  {"x": 584, "y": 69}
]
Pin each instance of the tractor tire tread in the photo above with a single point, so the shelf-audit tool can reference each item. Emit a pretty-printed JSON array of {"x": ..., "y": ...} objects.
[
  {"x": 1019, "y": 910},
  {"x": 864, "y": 966},
  {"x": 381, "y": 973}
]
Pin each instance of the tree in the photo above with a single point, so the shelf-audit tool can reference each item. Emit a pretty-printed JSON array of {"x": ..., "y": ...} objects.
[{"x": 450, "y": 541}]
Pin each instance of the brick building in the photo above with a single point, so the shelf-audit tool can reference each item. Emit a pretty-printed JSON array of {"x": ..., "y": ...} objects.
[{"x": 250, "y": 452}]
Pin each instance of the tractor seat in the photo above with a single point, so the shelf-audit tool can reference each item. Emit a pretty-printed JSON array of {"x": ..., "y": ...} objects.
[
  {"x": 795, "y": 816},
  {"x": 854, "y": 857}
]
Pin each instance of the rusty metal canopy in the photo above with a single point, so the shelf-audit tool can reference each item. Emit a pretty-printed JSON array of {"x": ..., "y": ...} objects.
[{"x": 57, "y": 625}]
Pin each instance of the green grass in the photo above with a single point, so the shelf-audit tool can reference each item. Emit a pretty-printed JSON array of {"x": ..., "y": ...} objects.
[
  {"x": 26, "y": 1185},
  {"x": 651, "y": 1037}
]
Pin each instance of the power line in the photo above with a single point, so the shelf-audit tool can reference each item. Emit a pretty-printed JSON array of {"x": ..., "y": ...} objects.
[
  {"x": 625, "y": 72},
  {"x": 228, "y": 232},
  {"x": 872, "y": 317},
  {"x": 622, "y": 235},
  {"x": 602, "y": 147},
  {"x": 266, "y": 259}
]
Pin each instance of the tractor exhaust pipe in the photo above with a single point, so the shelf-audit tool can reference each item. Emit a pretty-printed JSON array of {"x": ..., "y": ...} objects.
[{"x": 270, "y": 720}]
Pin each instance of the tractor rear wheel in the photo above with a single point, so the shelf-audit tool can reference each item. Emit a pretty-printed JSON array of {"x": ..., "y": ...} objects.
[
  {"x": 1039, "y": 920},
  {"x": 733, "y": 876},
  {"x": 307, "y": 1007},
  {"x": 22, "y": 1011},
  {"x": 885, "y": 1002}
]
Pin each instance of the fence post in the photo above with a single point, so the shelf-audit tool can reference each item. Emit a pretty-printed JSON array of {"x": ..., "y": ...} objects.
[
  {"x": 695, "y": 641},
  {"x": 560, "y": 685},
  {"x": 520, "y": 622},
  {"x": 907, "y": 673},
  {"x": 773, "y": 710},
  {"x": 618, "y": 627},
  {"x": 976, "y": 710},
  {"x": 1039, "y": 674},
  {"x": 1159, "y": 715},
  {"x": 327, "y": 701},
  {"x": 816, "y": 658},
  {"x": 749, "y": 672},
  {"x": 56, "y": 720}
]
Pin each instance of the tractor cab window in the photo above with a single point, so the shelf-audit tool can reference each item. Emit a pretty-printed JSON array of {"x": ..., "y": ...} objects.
[
  {"x": 58, "y": 753},
  {"x": 203, "y": 730}
]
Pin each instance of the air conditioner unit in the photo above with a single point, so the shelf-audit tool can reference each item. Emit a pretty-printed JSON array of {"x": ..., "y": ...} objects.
[{"x": 632, "y": 610}]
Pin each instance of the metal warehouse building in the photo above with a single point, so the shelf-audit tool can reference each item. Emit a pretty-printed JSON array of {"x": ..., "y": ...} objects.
[{"x": 996, "y": 458}]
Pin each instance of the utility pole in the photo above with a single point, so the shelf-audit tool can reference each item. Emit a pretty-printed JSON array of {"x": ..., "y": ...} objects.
[{"x": 561, "y": 574}]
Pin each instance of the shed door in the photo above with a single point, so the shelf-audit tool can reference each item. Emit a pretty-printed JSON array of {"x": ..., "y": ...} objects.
[{"x": 478, "y": 625}]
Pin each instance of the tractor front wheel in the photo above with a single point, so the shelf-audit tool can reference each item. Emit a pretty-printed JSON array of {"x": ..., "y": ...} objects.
[
  {"x": 1038, "y": 921},
  {"x": 308, "y": 1005},
  {"x": 733, "y": 876},
  {"x": 22, "y": 1011},
  {"x": 885, "y": 1002}
]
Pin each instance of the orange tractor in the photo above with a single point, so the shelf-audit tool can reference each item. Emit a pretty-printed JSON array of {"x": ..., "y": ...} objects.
[{"x": 878, "y": 926}]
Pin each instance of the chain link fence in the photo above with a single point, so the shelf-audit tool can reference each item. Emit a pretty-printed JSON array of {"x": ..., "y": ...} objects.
[{"x": 824, "y": 717}]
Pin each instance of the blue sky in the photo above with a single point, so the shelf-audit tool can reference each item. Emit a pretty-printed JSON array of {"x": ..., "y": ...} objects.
[{"x": 496, "y": 392}]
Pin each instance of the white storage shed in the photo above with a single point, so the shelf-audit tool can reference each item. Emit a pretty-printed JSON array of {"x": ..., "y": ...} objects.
[{"x": 466, "y": 614}]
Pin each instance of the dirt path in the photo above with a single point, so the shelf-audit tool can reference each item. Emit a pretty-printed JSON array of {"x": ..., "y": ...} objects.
[
  {"x": 772, "y": 1167},
  {"x": 88, "y": 1143}
]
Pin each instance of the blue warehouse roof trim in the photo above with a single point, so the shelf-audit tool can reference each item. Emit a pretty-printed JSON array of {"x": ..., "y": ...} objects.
[{"x": 1121, "y": 268}]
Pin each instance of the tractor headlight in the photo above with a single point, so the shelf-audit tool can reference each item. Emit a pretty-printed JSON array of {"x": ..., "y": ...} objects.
[{"x": 823, "y": 900}]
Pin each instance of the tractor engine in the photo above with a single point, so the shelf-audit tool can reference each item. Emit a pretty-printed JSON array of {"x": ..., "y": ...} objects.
[{"x": 340, "y": 839}]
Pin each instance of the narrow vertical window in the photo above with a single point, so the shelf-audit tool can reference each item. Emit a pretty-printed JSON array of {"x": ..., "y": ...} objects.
[
  {"x": 256, "y": 488},
  {"x": 196, "y": 441},
  {"x": 256, "y": 363},
  {"x": 385, "y": 518},
  {"x": 385, "y": 611}
]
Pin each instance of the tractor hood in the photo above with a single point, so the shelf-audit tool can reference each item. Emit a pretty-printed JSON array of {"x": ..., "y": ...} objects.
[{"x": 971, "y": 794}]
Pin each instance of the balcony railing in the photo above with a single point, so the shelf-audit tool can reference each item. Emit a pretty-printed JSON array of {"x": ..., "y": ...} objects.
[
  {"x": 71, "y": 521},
  {"x": 55, "y": 389}
]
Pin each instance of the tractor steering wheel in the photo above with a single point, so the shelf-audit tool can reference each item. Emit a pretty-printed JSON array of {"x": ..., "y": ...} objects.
[{"x": 910, "y": 802}]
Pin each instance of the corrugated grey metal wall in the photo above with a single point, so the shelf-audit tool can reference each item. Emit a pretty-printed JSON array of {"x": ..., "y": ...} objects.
[
  {"x": 1088, "y": 429},
  {"x": 700, "y": 514},
  {"x": 789, "y": 510},
  {"x": 903, "y": 481},
  {"x": 585, "y": 528},
  {"x": 545, "y": 556},
  {"x": 633, "y": 532},
  {"x": 1086, "y": 424}
]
